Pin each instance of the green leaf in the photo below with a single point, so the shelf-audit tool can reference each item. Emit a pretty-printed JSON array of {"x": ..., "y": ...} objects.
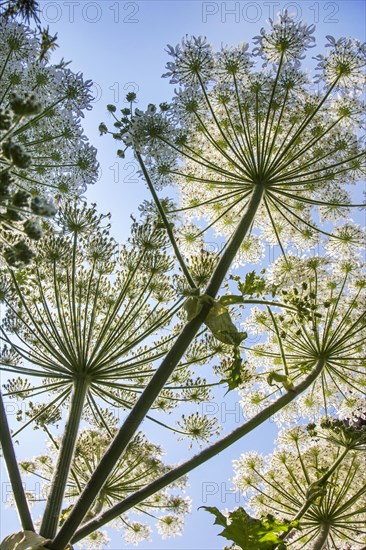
[
  {"x": 218, "y": 319},
  {"x": 253, "y": 285},
  {"x": 234, "y": 378},
  {"x": 251, "y": 533},
  {"x": 219, "y": 322},
  {"x": 193, "y": 306}
]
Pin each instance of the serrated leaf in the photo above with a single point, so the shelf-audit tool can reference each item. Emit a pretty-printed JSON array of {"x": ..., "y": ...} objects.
[
  {"x": 233, "y": 379},
  {"x": 251, "y": 533},
  {"x": 253, "y": 285}
]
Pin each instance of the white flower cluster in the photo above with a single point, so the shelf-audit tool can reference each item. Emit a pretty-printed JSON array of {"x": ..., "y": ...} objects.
[
  {"x": 147, "y": 128},
  {"x": 136, "y": 532},
  {"x": 193, "y": 61},
  {"x": 62, "y": 160},
  {"x": 286, "y": 41},
  {"x": 318, "y": 478},
  {"x": 229, "y": 129},
  {"x": 199, "y": 428},
  {"x": 140, "y": 464},
  {"x": 170, "y": 526},
  {"x": 345, "y": 64},
  {"x": 43, "y": 153},
  {"x": 98, "y": 540},
  {"x": 322, "y": 314}
]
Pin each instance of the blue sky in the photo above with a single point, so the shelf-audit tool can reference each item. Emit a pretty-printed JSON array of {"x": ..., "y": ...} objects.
[{"x": 120, "y": 46}]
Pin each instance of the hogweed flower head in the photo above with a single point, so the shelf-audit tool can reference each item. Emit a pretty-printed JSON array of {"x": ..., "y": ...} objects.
[
  {"x": 24, "y": 9},
  {"x": 315, "y": 480},
  {"x": 320, "y": 319},
  {"x": 84, "y": 310},
  {"x": 136, "y": 532},
  {"x": 193, "y": 61},
  {"x": 345, "y": 63},
  {"x": 198, "y": 428},
  {"x": 140, "y": 464},
  {"x": 286, "y": 41},
  {"x": 230, "y": 129}
]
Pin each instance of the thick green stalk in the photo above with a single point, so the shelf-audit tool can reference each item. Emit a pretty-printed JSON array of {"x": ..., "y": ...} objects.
[
  {"x": 62, "y": 470},
  {"x": 321, "y": 540},
  {"x": 13, "y": 470},
  {"x": 158, "y": 381},
  {"x": 199, "y": 458}
]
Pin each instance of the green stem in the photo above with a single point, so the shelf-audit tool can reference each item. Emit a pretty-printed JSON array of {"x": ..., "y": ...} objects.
[
  {"x": 333, "y": 468},
  {"x": 268, "y": 303},
  {"x": 98, "y": 507},
  {"x": 5, "y": 63},
  {"x": 13, "y": 470},
  {"x": 265, "y": 144},
  {"x": 158, "y": 381},
  {"x": 245, "y": 127},
  {"x": 166, "y": 222},
  {"x": 54, "y": 502},
  {"x": 200, "y": 458},
  {"x": 320, "y": 541},
  {"x": 282, "y": 351}
]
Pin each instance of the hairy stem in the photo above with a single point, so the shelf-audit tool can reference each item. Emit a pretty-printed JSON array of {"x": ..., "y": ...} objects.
[
  {"x": 62, "y": 470},
  {"x": 158, "y": 381},
  {"x": 13, "y": 470},
  {"x": 199, "y": 458}
]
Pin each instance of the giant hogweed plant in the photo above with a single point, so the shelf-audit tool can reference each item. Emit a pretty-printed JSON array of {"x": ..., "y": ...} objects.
[{"x": 256, "y": 153}]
